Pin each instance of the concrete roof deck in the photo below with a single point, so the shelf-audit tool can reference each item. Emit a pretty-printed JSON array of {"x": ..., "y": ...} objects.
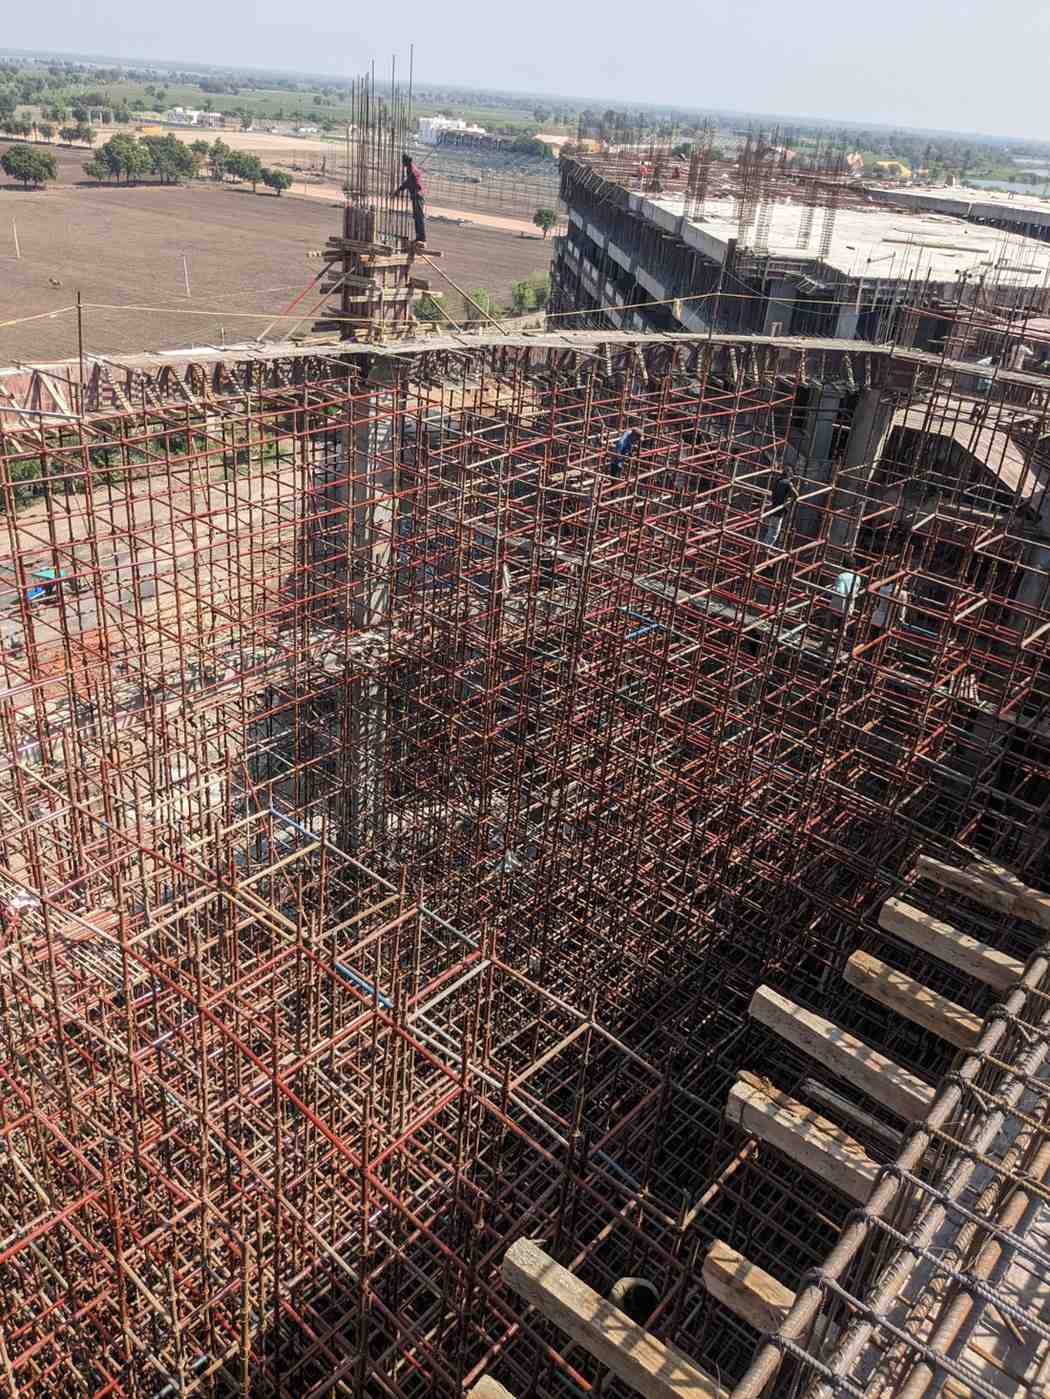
[
  {"x": 990, "y": 446},
  {"x": 871, "y": 243},
  {"x": 961, "y": 200}
]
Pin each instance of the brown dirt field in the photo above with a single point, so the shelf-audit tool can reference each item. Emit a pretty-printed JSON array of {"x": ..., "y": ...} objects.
[{"x": 247, "y": 254}]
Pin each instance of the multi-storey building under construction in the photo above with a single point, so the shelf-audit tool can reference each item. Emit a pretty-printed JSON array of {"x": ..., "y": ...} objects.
[{"x": 482, "y": 912}]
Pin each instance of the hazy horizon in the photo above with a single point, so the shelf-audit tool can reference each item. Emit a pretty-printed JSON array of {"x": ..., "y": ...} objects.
[{"x": 920, "y": 67}]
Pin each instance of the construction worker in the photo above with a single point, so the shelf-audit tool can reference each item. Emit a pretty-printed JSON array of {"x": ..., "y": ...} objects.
[
  {"x": 625, "y": 446},
  {"x": 891, "y": 604},
  {"x": 44, "y": 586},
  {"x": 783, "y": 496},
  {"x": 838, "y": 614},
  {"x": 412, "y": 185}
]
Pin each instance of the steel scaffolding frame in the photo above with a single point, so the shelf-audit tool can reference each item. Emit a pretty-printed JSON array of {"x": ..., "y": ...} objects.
[{"x": 403, "y": 801}]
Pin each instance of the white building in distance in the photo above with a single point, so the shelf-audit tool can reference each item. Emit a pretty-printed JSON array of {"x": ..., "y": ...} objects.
[
  {"x": 189, "y": 116},
  {"x": 431, "y": 129}
]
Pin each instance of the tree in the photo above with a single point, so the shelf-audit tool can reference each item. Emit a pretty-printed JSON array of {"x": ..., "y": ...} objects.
[
  {"x": 483, "y": 307},
  {"x": 521, "y": 296},
  {"x": 528, "y": 145},
  {"x": 97, "y": 169},
  {"x": 29, "y": 166},
  {"x": 277, "y": 180},
  {"x": 171, "y": 159},
  {"x": 219, "y": 158},
  {"x": 243, "y": 166},
  {"x": 81, "y": 115},
  {"x": 545, "y": 219},
  {"x": 7, "y": 106},
  {"x": 531, "y": 294},
  {"x": 46, "y": 130},
  {"x": 71, "y": 134},
  {"x": 125, "y": 158},
  {"x": 431, "y": 307}
]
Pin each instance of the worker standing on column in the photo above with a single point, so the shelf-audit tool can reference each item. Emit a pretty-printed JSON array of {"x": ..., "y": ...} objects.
[{"x": 412, "y": 185}]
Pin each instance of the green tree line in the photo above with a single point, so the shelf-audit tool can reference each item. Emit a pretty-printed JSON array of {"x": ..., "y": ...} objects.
[{"x": 169, "y": 160}]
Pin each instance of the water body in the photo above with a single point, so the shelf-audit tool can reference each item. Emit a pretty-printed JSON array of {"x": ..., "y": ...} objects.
[{"x": 1013, "y": 187}]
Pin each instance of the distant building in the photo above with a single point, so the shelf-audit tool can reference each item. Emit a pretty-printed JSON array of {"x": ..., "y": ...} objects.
[
  {"x": 638, "y": 259},
  {"x": 190, "y": 116},
  {"x": 1026, "y": 214},
  {"x": 307, "y": 131},
  {"x": 432, "y": 130}
]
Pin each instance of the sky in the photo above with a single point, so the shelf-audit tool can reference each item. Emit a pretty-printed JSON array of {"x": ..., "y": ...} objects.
[{"x": 963, "y": 65}]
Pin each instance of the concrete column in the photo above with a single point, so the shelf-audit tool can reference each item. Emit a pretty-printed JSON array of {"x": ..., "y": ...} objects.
[
  {"x": 810, "y": 457},
  {"x": 372, "y": 524},
  {"x": 780, "y": 306},
  {"x": 869, "y": 431},
  {"x": 872, "y": 419},
  {"x": 821, "y": 424},
  {"x": 808, "y": 517},
  {"x": 846, "y": 325},
  {"x": 1034, "y": 590}
]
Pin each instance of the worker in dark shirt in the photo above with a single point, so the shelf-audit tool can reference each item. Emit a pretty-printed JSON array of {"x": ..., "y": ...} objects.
[
  {"x": 783, "y": 496},
  {"x": 412, "y": 185},
  {"x": 625, "y": 446}
]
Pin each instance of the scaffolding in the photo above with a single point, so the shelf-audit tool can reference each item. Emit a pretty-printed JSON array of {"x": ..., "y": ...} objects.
[{"x": 403, "y": 798}]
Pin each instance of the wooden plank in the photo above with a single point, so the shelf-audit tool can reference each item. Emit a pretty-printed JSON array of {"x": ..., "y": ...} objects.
[
  {"x": 990, "y": 885},
  {"x": 801, "y": 1133},
  {"x": 357, "y": 245},
  {"x": 651, "y": 1368},
  {"x": 949, "y": 944},
  {"x": 747, "y": 1290},
  {"x": 913, "y": 1000},
  {"x": 488, "y": 1388},
  {"x": 845, "y": 1055}
]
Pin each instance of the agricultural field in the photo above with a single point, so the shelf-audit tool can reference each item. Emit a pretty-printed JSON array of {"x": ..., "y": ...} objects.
[
  {"x": 245, "y": 255},
  {"x": 289, "y": 99}
]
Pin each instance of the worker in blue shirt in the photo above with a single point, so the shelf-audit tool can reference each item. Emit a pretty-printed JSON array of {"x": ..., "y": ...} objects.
[{"x": 625, "y": 446}]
